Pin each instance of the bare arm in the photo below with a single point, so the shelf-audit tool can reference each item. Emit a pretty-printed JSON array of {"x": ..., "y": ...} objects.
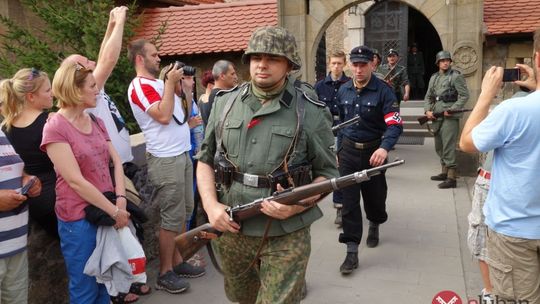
[
  {"x": 218, "y": 218},
  {"x": 119, "y": 188},
  {"x": 111, "y": 46},
  {"x": 66, "y": 165},
  {"x": 490, "y": 85}
]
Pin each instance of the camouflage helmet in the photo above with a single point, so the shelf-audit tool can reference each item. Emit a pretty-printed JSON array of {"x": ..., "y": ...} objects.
[
  {"x": 273, "y": 40},
  {"x": 442, "y": 55}
]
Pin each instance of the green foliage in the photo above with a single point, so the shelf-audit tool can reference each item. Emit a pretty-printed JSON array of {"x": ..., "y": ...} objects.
[{"x": 68, "y": 27}]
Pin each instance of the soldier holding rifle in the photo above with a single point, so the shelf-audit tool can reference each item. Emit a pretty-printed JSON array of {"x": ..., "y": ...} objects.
[
  {"x": 280, "y": 121},
  {"x": 396, "y": 75},
  {"x": 447, "y": 90},
  {"x": 365, "y": 145}
]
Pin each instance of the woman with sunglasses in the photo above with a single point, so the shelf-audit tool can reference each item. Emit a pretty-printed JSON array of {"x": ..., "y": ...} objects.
[
  {"x": 26, "y": 98},
  {"x": 80, "y": 150}
]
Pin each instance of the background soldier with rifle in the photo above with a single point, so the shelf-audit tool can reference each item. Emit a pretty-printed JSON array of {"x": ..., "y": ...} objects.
[
  {"x": 396, "y": 75},
  {"x": 266, "y": 132},
  {"x": 447, "y": 90}
]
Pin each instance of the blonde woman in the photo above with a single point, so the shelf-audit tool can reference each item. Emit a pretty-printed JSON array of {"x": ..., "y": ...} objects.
[
  {"x": 80, "y": 150},
  {"x": 26, "y": 97}
]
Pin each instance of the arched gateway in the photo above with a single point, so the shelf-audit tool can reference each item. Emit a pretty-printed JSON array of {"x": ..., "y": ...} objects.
[{"x": 458, "y": 24}]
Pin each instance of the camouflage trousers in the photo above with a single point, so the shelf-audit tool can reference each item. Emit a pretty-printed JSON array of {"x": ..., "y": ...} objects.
[{"x": 277, "y": 276}]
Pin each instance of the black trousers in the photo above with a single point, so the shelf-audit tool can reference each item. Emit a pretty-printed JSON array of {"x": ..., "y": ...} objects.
[{"x": 373, "y": 193}]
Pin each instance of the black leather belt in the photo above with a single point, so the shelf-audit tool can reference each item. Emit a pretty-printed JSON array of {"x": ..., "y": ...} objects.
[
  {"x": 256, "y": 181},
  {"x": 361, "y": 146}
]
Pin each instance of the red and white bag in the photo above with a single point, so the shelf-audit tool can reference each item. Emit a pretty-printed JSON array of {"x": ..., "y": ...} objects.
[{"x": 134, "y": 253}]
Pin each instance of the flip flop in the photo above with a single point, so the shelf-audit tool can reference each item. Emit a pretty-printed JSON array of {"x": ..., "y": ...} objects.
[
  {"x": 137, "y": 288},
  {"x": 121, "y": 298}
]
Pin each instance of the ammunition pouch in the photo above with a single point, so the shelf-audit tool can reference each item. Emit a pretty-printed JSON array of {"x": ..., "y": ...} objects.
[
  {"x": 223, "y": 170},
  {"x": 450, "y": 95},
  {"x": 300, "y": 174}
]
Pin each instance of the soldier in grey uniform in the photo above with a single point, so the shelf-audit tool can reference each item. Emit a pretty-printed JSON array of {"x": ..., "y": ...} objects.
[
  {"x": 258, "y": 134},
  {"x": 447, "y": 90},
  {"x": 396, "y": 75}
]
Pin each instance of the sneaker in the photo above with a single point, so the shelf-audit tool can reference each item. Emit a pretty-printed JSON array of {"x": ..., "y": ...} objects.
[
  {"x": 486, "y": 297},
  {"x": 186, "y": 270},
  {"x": 171, "y": 283}
]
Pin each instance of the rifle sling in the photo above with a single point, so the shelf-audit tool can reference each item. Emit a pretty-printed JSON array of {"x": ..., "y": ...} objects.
[
  {"x": 259, "y": 250},
  {"x": 213, "y": 258}
]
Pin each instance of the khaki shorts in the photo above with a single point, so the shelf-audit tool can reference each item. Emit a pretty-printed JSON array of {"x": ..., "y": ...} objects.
[
  {"x": 277, "y": 277},
  {"x": 14, "y": 278},
  {"x": 172, "y": 178},
  {"x": 514, "y": 266}
]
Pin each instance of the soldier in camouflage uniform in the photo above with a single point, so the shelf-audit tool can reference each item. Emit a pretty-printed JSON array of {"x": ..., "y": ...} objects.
[
  {"x": 257, "y": 126},
  {"x": 396, "y": 75},
  {"x": 447, "y": 90}
]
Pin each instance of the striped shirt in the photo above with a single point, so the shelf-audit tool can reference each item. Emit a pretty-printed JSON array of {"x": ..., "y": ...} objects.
[{"x": 13, "y": 223}]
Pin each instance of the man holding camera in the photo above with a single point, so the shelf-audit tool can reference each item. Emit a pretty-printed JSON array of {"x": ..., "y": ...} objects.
[
  {"x": 170, "y": 169},
  {"x": 447, "y": 90}
]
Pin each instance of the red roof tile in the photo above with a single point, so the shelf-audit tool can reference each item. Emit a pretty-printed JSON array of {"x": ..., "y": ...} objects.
[
  {"x": 207, "y": 28},
  {"x": 511, "y": 16}
]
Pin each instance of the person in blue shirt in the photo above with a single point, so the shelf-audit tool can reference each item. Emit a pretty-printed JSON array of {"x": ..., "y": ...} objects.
[
  {"x": 512, "y": 207},
  {"x": 326, "y": 91},
  {"x": 365, "y": 145}
]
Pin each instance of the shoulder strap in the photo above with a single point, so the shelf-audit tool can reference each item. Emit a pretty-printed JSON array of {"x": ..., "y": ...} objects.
[
  {"x": 94, "y": 119},
  {"x": 226, "y": 110}
]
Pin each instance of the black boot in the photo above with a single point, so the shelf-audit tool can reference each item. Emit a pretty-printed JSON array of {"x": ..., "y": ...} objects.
[
  {"x": 350, "y": 263},
  {"x": 441, "y": 176},
  {"x": 373, "y": 235},
  {"x": 449, "y": 182}
]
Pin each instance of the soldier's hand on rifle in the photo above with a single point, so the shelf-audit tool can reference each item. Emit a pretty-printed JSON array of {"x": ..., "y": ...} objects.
[
  {"x": 429, "y": 115},
  {"x": 447, "y": 114},
  {"x": 220, "y": 220},
  {"x": 378, "y": 157},
  {"x": 279, "y": 211}
]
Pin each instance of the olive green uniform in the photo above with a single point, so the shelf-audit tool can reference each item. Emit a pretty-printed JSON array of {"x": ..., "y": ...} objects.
[
  {"x": 398, "y": 76},
  {"x": 447, "y": 90},
  {"x": 256, "y": 139}
]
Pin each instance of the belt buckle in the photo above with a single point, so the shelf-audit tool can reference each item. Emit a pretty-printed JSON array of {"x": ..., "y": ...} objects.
[{"x": 251, "y": 180}]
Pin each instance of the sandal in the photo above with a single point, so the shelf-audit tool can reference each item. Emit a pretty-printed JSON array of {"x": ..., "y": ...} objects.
[
  {"x": 139, "y": 289},
  {"x": 121, "y": 298}
]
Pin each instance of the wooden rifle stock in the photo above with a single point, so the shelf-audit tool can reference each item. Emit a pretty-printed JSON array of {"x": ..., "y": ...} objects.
[
  {"x": 385, "y": 78},
  {"x": 190, "y": 242},
  {"x": 423, "y": 119}
]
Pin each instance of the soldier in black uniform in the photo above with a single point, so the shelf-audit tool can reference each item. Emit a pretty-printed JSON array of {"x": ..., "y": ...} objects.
[{"x": 365, "y": 145}]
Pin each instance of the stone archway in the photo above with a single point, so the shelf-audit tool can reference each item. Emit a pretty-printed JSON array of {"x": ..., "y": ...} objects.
[{"x": 458, "y": 24}]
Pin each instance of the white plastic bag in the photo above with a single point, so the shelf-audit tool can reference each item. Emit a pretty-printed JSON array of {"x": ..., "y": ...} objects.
[{"x": 134, "y": 253}]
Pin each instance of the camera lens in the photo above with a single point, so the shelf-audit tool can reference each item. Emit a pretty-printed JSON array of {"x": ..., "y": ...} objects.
[{"x": 188, "y": 70}]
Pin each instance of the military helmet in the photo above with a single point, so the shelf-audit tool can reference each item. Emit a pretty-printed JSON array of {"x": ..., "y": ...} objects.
[
  {"x": 273, "y": 40},
  {"x": 442, "y": 55}
]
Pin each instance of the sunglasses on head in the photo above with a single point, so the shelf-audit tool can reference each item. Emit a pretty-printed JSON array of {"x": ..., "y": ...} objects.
[{"x": 34, "y": 73}]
